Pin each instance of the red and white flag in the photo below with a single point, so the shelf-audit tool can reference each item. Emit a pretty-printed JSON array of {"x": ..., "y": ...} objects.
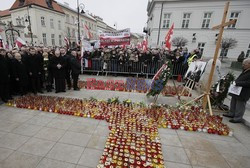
[
  {"x": 168, "y": 37},
  {"x": 2, "y": 45},
  {"x": 87, "y": 31},
  {"x": 66, "y": 40},
  {"x": 20, "y": 42},
  {"x": 145, "y": 44}
]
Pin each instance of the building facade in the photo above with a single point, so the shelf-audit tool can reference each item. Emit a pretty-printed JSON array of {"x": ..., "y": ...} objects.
[
  {"x": 194, "y": 19},
  {"x": 50, "y": 22}
]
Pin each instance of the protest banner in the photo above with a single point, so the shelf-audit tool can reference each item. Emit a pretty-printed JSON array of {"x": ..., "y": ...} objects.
[{"x": 114, "y": 38}]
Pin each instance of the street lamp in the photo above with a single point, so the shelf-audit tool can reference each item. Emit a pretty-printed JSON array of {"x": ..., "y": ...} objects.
[
  {"x": 80, "y": 7},
  {"x": 29, "y": 26}
]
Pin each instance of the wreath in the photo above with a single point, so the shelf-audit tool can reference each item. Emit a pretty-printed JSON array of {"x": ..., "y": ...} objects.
[
  {"x": 219, "y": 90},
  {"x": 160, "y": 79}
]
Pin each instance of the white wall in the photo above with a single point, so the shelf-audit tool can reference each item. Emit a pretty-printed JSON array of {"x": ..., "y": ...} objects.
[{"x": 197, "y": 10}]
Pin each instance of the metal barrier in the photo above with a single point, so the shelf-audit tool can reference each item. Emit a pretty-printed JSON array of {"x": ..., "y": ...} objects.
[{"x": 98, "y": 66}]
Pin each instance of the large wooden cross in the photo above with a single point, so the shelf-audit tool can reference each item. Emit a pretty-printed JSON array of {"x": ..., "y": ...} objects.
[{"x": 205, "y": 95}]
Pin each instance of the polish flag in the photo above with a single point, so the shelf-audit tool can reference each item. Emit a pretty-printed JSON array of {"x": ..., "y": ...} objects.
[
  {"x": 145, "y": 45},
  {"x": 168, "y": 37},
  {"x": 87, "y": 31},
  {"x": 66, "y": 40},
  {"x": 20, "y": 42},
  {"x": 2, "y": 45}
]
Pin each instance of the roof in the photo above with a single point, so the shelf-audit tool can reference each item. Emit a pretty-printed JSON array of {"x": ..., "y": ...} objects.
[
  {"x": 5, "y": 13},
  {"x": 41, "y": 3},
  {"x": 74, "y": 10}
]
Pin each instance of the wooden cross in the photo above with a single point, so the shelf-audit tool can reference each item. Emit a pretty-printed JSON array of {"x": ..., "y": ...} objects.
[
  {"x": 205, "y": 95},
  {"x": 206, "y": 98}
]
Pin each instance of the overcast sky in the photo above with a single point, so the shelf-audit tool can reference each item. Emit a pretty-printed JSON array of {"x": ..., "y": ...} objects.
[{"x": 127, "y": 13}]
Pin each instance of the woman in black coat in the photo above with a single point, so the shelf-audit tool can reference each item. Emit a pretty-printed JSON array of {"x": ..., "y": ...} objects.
[
  {"x": 238, "y": 103},
  {"x": 58, "y": 67}
]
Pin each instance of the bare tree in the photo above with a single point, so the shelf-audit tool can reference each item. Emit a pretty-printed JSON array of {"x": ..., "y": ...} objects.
[
  {"x": 179, "y": 41},
  {"x": 226, "y": 44}
]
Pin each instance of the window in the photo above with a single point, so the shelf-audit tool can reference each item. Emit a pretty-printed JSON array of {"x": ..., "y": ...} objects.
[
  {"x": 73, "y": 33},
  {"x": 186, "y": 20},
  {"x": 52, "y": 23},
  {"x": 73, "y": 20},
  {"x": 166, "y": 20},
  {"x": 43, "y": 21},
  {"x": 234, "y": 15},
  {"x": 53, "y": 39},
  {"x": 67, "y": 18},
  {"x": 18, "y": 21},
  {"x": 89, "y": 26},
  {"x": 68, "y": 31},
  {"x": 206, "y": 20},
  {"x": 60, "y": 40},
  {"x": 59, "y": 25},
  {"x": 44, "y": 39},
  {"x": 201, "y": 46},
  {"x": 23, "y": 22},
  {"x": 248, "y": 51}
]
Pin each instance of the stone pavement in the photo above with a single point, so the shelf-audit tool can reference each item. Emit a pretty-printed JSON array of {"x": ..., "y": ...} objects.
[{"x": 35, "y": 139}]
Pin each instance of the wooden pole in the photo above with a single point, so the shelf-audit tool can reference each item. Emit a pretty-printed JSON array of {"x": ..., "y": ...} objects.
[{"x": 205, "y": 98}]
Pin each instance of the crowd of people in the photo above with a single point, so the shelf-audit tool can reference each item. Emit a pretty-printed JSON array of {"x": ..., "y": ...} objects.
[
  {"x": 36, "y": 69},
  {"x": 136, "y": 60}
]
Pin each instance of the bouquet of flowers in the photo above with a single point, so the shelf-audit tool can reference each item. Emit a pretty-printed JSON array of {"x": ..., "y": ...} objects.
[{"x": 160, "y": 79}]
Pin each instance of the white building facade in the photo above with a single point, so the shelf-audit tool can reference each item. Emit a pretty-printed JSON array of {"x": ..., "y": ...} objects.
[
  {"x": 193, "y": 20},
  {"x": 50, "y": 22}
]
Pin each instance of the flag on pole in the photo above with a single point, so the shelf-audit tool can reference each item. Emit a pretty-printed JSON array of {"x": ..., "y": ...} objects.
[
  {"x": 87, "y": 31},
  {"x": 145, "y": 45},
  {"x": 20, "y": 42},
  {"x": 66, "y": 40},
  {"x": 2, "y": 45},
  {"x": 168, "y": 37}
]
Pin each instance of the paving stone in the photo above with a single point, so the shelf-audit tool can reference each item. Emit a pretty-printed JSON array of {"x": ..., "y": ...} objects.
[
  {"x": 21, "y": 160},
  {"x": 4, "y": 153},
  {"x": 60, "y": 124},
  {"x": 66, "y": 153},
  {"x": 197, "y": 143},
  {"x": 176, "y": 165},
  {"x": 8, "y": 126},
  {"x": 175, "y": 154},
  {"x": 90, "y": 157},
  {"x": 39, "y": 120},
  {"x": 37, "y": 146},
  {"x": 75, "y": 138},
  {"x": 97, "y": 142},
  {"x": 170, "y": 140},
  {"x": 206, "y": 159},
  {"x": 12, "y": 141},
  {"x": 49, "y": 163},
  {"x": 82, "y": 127},
  {"x": 51, "y": 134},
  {"x": 237, "y": 160},
  {"x": 27, "y": 129}
]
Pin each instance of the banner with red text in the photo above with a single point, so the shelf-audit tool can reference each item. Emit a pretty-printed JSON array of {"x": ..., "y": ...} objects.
[{"x": 113, "y": 38}]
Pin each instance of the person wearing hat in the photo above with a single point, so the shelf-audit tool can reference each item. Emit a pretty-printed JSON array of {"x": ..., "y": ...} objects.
[{"x": 238, "y": 102}]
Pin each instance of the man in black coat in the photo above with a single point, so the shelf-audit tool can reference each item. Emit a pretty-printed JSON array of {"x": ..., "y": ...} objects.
[
  {"x": 66, "y": 57},
  {"x": 75, "y": 66},
  {"x": 58, "y": 64},
  {"x": 34, "y": 70},
  {"x": 4, "y": 77},
  {"x": 20, "y": 74},
  {"x": 238, "y": 103}
]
